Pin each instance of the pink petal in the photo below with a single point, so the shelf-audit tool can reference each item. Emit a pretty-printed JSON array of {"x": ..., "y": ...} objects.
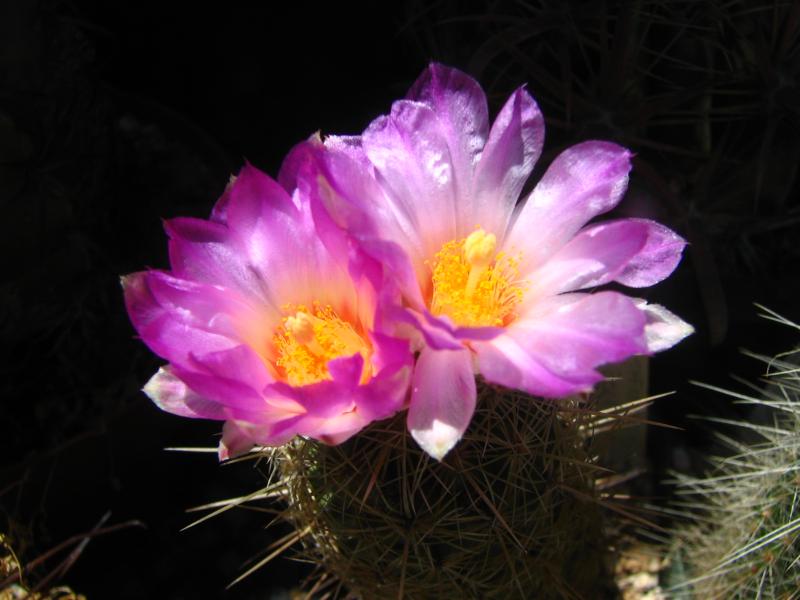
[
  {"x": 240, "y": 363},
  {"x": 593, "y": 257},
  {"x": 413, "y": 162},
  {"x": 656, "y": 261},
  {"x": 386, "y": 394},
  {"x": 460, "y": 106},
  {"x": 437, "y": 333},
  {"x": 243, "y": 401},
  {"x": 505, "y": 361},
  {"x": 554, "y": 350},
  {"x": 207, "y": 252},
  {"x": 514, "y": 145},
  {"x": 296, "y": 162},
  {"x": 583, "y": 181},
  {"x": 174, "y": 322},
  {"x": 219, "y": 212},
  {"x": 442, "y": 399},
  {"x": 347, "y": 370}
]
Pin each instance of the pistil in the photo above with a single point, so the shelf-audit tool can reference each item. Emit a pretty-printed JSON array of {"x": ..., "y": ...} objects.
[{"x": 479, "y": 248}]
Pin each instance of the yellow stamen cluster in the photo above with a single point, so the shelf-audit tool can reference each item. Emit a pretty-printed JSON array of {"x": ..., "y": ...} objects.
[
  {"x": 308, "y": 339},
  {"x": 474, "y": 285}
]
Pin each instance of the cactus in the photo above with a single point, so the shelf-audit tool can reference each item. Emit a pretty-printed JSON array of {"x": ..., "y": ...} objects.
[
  {"x": 513, "y": 512},
  {"x": 743, "y": 537}
]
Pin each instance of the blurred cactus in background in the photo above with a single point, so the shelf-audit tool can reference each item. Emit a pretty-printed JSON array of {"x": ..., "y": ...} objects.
[{"x": 743, "y": 536}]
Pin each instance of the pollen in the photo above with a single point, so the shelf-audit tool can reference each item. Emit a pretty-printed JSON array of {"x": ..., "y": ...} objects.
[
  {"x": 309, "y": 338},
  {"x": 475, "y": 285}
]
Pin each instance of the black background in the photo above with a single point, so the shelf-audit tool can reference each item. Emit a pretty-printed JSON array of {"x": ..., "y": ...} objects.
[{"x": 119, "y": 114}]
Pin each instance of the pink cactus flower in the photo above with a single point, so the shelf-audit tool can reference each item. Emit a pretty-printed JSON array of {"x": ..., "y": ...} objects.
[
  {"x": 264, "y": 326},
  {"x": 492, "y": 285}
]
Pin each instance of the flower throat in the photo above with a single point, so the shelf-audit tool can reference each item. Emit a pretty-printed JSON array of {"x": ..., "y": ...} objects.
[
  {"x": 473, "y": 284},
  {"x": 308, "y": 339}
]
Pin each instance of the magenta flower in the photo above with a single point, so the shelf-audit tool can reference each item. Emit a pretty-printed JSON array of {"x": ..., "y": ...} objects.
[
  {"x": 264, "y": 326},
  {"x": 492, "y": 285}
]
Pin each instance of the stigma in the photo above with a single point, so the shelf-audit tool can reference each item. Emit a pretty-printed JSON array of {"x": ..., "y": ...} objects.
[
  {"x": 475, "y": 285},
  {"x": 308, "y": 339}
]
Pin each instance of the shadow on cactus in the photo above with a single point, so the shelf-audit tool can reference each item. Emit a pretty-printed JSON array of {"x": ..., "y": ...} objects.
[{"x": 743, "y": 540}]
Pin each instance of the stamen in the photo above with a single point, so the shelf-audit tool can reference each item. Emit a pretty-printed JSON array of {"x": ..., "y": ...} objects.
[
  {"x": 474, "y": 285},
  {"x": 308, "y": 339},
  {"x": 301, "y": 326}
]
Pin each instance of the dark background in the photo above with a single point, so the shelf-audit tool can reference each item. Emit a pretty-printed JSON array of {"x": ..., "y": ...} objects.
[{"x": 116, "y": 115}]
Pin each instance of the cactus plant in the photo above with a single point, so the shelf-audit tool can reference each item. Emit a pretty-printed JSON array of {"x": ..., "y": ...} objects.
[
  {"x": 743, "y": 536},
  {"x": 511, "y": 514}
]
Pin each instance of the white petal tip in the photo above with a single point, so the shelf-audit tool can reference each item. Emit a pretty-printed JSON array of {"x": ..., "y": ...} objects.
[
  {"x": 663, "y": 329},
  {"x": 438, "y": 440},
  {"x": 164, "y": 389}
]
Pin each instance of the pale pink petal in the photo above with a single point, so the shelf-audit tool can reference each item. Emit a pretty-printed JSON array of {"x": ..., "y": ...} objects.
[
  {"x": 442, "y": 399},
  {"x": 556, "y": 350},
  {"x": 235, "y": 441},
  {"x": 207, "y": 252},
  {"x": 514, "y": 145},
  {"x": 593, "y": 257},
  {"x": 663, "y": 329},
  {"x": 460, "y": 105},
  {"x": 506, "y": 362},
  {"x": 413, "y": 163},
  {"x": 583, "y": 181},
  {"x": 657, "y": 260},
  {"x": 437, "y": 333},
  {"x": 172, "y": 395},
  {"x": 347, "y": 194}
]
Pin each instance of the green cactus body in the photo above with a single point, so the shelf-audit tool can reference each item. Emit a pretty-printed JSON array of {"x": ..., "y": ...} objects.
[{"x": 510, "y": 513}]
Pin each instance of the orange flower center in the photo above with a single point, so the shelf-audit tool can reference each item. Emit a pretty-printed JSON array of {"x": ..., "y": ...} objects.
[
  {"x": 473, "y": 284},
  {"x": 309, "y": 338}
]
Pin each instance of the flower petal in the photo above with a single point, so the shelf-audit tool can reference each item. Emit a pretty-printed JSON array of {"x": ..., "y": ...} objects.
[
  {"x": 386, "y": 394},
  {"x": 207, "y": 252},
  {"x": 174, "y": 317},
  {"x": 514, "y": 145},
  {"x": 235, "y": 441},
  {"x": 583, "y": 181},
  {"x": 413, "y": 162},
  {"x": 460, "y": 107},
  {"x": 172, "y": 395},
  {"x": 593, "y": 257},
  {"x": 443, "y": 399},
  {"x": 438, "y": 334},
  {"x": 663, "y": 329},
  {"x": 505, "y": 361},
  {"x": 659, "y": 257},
  {"x": 555, "y": 350}
]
